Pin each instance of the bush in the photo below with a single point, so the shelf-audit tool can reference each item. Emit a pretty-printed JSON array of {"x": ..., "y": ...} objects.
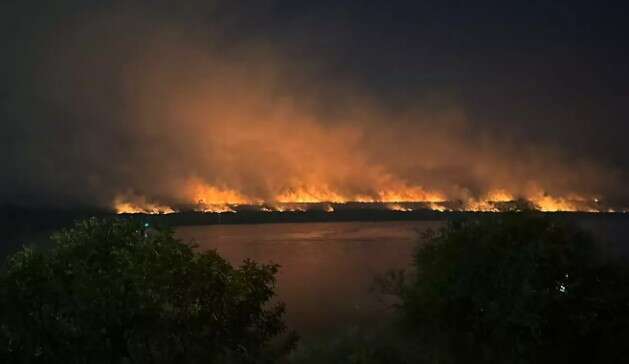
[
  {"x": 113, "y": 291},
  {"x": 516, "y": 288},
  {"x": 382, "y": 344}
]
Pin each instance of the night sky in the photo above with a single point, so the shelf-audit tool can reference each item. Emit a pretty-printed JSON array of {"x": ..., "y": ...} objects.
[{"x": 163, "y": 102}]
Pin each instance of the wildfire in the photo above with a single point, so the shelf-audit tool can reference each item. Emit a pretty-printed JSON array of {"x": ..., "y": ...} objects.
[
  {"x": 398, "y": 207},
  {"x": 437, "y": 207},
  {"x": 574, "y": 203},
  {"x": 490, "y": 202},
  {"x": 398, "y": 193},
  {"x": 290, "y": 207},
  {"x": 538, "y": 200},
  {"x": 310, "y": 195},
  {"x": 202, "y": 197},
  {"x": 204, "y": 194},
  {"x": 568, "y": 203},
  {"x": 217, "y": 208},
  {"x": 209, "y": 198},
  {"x": 141, "y": 207},
  {"x": 414, "y": 194}
]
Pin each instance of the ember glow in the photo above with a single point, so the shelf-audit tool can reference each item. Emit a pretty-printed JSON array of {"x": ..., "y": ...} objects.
[
  {"x": 216, "y": 200},
  {"x": 398, "y": 207},
  {"x": 140, "y": 207}
]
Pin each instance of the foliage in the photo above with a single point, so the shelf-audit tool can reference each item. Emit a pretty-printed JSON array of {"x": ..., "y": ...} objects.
[
  {"x": 516, "y": 288},
  {"x": 114, "y": 291},
  {"x": 383, "y": 344}
]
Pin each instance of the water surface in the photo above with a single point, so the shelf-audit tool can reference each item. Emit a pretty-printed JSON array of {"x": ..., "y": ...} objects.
[{"x": 327, "y": 269}]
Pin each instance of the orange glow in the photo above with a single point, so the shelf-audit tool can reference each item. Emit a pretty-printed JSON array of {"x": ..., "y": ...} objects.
[
  {"x": 398, "y": 207},
  {"x": 204, "y": 194},
  {"x": 310, "y": 195},
  {"x": 488, "y": 202},
  {"x": 572, "y": 203},
  {"x": 290, "y": 207},
  {"x": 212, "y": 131},
  {"x": 500, "y": 196},
  {"x": 437, "y": 207},
  {"x": 141, "y": 207},
  {"x": 218, "y": 208},
  {"x": 318, "y": 195},
  {"x": 569, "y": 202},
  {"x": 413, "y": 194},
  {"x": 208, "y": 198}
]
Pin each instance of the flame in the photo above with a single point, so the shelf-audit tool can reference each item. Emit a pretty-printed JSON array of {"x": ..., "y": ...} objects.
[
  {"x": 216, "y": 208},
  {"x": 489, "y": 203},
  {"x": 325, "y": 194},
  {"x": 310, "y": 195},
  {"x": 552, "y": 204},
  {"x": 398, "y": 207},
  {"x": 204, "y": 194},
  {"x": 412, "y": 194},
  {"x": 208, "y": 198},
  {"x": 567, "y": 204},
  {"x": 219, "y": 199},
  {"x": 123, "y": 206},
  {"x": 289, "y": 207},
  {"x": 437, "y": 207}
]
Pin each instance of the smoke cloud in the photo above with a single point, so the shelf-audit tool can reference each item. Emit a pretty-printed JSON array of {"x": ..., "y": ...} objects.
[{"x": 132, "y": 107}]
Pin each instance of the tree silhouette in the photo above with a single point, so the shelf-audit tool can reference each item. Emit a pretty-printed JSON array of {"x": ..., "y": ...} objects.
[{"x": 113, "y": 291}]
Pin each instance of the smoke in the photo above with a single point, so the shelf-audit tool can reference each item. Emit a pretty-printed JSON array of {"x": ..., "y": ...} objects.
[{"x": 136, "y": 108}]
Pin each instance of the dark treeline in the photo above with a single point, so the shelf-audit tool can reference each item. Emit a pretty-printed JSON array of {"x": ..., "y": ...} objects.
[{"x": 18, "y": 220}]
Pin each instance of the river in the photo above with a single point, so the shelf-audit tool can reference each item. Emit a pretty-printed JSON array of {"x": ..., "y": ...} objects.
[{"x": 327, "y": 269}]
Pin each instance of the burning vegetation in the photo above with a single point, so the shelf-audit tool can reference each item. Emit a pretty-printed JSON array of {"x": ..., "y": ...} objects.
[{"x": 231, "y": 201}]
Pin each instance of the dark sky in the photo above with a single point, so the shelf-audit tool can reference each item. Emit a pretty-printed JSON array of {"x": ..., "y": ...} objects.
[{"x": 538, "y": 89}]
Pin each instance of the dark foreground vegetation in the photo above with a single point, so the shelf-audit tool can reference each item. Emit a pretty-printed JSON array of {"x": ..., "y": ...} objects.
[
  {"x": 517, "y": 287},
  {"x": 112, "y": 291}
]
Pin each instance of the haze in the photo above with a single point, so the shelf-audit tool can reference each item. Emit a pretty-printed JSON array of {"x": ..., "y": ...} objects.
[{"x": 210, "y": 104}]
